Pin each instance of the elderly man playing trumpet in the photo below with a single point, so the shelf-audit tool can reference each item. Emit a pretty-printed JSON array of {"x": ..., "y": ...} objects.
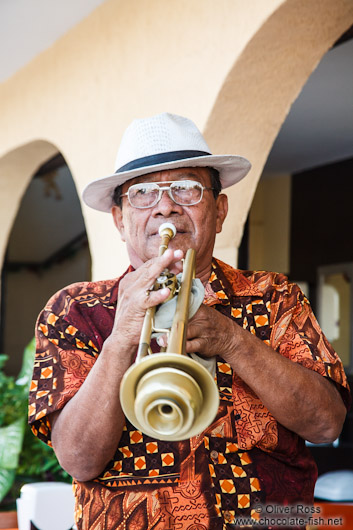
[{"x": 278, "y": 380}]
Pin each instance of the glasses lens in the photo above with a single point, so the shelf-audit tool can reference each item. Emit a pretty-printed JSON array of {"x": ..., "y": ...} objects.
[
  {"x": 143, "y": 195},
  {"x": 186, "y": 192}
]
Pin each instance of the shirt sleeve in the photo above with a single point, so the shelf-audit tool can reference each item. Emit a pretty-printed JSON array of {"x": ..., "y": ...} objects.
[
  {"x": 64, "y": 357},
  {"x": 297, "y": 335}
]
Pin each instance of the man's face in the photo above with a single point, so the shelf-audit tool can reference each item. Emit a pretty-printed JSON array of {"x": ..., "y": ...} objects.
[{"x": 196, "y": 225}]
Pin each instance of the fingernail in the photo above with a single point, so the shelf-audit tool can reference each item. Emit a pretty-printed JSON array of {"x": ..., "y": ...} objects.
[
  {"x": 161, "y": 341},
  {"x": 167, "y": 252},
  {"x": 178, "y": 253}
]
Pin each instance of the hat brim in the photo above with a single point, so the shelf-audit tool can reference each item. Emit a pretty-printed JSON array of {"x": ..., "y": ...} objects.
[{"x": 232, "y": 168}]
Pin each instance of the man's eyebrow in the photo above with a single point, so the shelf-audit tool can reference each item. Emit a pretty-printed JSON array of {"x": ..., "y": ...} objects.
[{"x": 190, "y": 174}]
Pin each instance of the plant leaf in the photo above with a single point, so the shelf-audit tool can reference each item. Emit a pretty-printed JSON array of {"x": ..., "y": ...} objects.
[
  {"x": 7, "y": 476},
  {"x": 25, "y": 375},
  {"x": 11, "y": 439},
  {"x": 3, "y": 359}
]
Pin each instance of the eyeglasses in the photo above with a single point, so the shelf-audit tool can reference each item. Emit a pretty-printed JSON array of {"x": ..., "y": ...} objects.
[{"x": 182, "y": 192}]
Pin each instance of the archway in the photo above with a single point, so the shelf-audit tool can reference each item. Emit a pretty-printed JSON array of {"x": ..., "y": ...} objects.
[
  {"x": 260, "y": 88},
  {"x": 46, "y": 249},
  {"x": 308, "y": 177}
]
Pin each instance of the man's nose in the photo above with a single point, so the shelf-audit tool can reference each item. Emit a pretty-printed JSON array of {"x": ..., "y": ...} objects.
[{"x": 166, "y": 206}]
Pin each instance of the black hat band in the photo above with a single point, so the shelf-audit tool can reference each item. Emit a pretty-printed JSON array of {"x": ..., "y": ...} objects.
[{"x": 160, "y": 158}]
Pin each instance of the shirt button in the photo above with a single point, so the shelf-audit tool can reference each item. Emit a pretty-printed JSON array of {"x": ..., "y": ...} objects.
[
  {"x": 214, "y": 456},
  {"x": 228, "y": 516}
]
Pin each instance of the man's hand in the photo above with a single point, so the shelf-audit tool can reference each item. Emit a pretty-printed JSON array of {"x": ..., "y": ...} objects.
[
  {"x": 300, "y": 399},
  {"x": 135, "y": 296},
  {"x": 210, "y": 333}
]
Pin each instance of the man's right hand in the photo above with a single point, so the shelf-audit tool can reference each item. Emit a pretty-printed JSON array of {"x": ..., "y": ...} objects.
[{"x": 135, "y": 296}]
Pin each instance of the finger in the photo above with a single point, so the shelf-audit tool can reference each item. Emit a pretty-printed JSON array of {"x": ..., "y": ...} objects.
[
  {"x": 139, "y": 296},
  {"x": 194, "y": 329},
  {"x": 173, "y": 259},
  {"x": 136, "y": 287},
  {"x": 194, "y": 346},
  {"x": 145, "y": 276},
  {"x": 154, "y": 298},
  {"x": 201, "y": 347},
  {"x": 149, "y": 271},
  {"x": 162, "y": 340},
  {"x": 177, "y": 265}
]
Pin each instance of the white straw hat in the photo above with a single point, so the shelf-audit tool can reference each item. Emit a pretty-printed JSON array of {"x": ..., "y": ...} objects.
[{"x": 164, "y": 141}]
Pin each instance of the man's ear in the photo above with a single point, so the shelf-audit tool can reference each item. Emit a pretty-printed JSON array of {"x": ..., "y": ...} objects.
[
  {"x": 222, "y": 210},
  {"x": 118, "y": 220}
]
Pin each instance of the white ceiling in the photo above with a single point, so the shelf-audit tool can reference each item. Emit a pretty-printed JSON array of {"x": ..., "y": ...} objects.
[
  {"x": 28, "y": 27},
  {"x": 319, "y": 127}
]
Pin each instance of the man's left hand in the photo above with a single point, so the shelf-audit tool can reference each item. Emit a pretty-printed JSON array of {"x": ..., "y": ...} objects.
[{"x": 210, "y": 333}]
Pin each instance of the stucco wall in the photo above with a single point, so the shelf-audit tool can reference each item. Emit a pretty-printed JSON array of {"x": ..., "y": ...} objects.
[{"x": 233, "y": 67}]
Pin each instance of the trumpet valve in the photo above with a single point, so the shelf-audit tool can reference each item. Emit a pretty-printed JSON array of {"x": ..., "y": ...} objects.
[{"x": 167, "y": 279}]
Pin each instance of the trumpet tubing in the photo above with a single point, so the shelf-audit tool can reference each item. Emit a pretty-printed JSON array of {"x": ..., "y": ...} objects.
[{"x": 169, "y": 396}]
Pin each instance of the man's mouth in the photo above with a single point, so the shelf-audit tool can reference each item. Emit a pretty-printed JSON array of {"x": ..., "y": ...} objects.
[{"x": 178, "y": 232}]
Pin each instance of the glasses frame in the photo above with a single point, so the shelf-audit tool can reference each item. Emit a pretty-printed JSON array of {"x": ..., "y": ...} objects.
[{"x": 163, "y": 188}]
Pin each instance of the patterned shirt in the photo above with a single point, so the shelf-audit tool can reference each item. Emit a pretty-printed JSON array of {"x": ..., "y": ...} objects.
[{"x": 243, "y": 460}]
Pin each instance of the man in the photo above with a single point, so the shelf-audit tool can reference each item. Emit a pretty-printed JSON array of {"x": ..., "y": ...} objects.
[{"x": 279, "y": 380}]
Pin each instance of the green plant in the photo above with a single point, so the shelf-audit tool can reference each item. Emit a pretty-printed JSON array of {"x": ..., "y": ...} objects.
[
  {"x": 12, "y": 404},
  {"x": 23, "y": 458}
]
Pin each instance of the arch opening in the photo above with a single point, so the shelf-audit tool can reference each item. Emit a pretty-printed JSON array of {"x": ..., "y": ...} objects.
[
  {"x": 47, "y": 249},
  {"x": 260, "y": 88}
]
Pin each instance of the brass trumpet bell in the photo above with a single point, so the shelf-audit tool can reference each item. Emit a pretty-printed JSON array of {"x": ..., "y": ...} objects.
[{"x": 169, "y": 396}]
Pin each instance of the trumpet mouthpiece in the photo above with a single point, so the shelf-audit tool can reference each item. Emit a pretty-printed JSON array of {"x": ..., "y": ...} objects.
[{"x": 167, "y": 227}]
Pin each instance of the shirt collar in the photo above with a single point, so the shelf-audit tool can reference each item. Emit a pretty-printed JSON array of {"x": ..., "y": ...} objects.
[{"x": 226, "y": 281}]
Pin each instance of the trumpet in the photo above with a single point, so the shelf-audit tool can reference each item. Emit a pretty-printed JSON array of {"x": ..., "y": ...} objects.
[{"x": 168, "y": 395}]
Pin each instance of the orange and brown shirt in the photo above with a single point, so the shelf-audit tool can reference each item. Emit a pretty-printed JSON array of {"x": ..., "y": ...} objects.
[{"x": 244, "y": 459}]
